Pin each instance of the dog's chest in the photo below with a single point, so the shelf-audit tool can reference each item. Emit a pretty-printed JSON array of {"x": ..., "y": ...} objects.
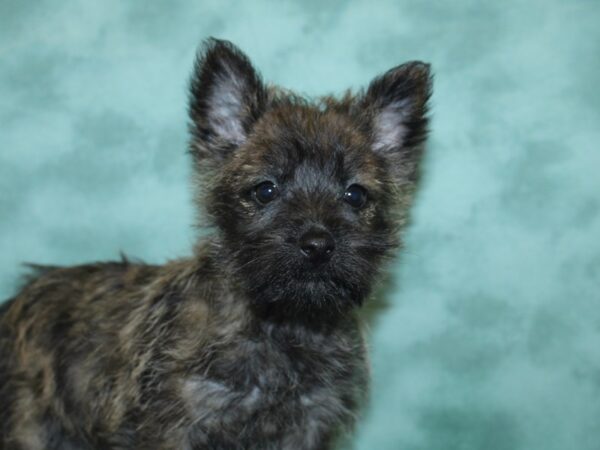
[{"x": 279, "y": 394}]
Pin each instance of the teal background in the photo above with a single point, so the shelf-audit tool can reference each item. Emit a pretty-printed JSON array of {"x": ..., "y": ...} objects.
[{"x": 492, "y": 336}]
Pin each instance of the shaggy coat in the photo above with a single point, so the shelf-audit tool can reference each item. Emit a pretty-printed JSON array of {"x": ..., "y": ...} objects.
[{"x": 254, "y": 342}]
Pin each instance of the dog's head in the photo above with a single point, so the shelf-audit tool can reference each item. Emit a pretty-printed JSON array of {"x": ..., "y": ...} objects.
[{"x": 307, "y": 196}]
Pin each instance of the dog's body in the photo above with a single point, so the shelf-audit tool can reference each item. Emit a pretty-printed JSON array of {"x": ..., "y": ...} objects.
[
  {"x": 124, "y": 355},
  {"x": 253, "y": 343}
]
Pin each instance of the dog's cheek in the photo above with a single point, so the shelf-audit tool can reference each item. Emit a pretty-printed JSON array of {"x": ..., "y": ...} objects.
[{"x": 229, "y": 211}]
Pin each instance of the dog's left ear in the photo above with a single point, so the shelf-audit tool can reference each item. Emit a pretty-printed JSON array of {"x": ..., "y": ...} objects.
[
  {"x": 396, "y": 107},
  {"x": 227, "y": 97}
]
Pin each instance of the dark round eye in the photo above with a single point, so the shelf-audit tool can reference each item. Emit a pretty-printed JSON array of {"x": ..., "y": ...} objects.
[
  {"x": 355, "y": 196},
  {"x": 265, "y": 192}
]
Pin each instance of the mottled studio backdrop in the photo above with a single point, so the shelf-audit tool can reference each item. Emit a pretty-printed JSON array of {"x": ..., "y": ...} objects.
[{"x": 492, "y": 337}]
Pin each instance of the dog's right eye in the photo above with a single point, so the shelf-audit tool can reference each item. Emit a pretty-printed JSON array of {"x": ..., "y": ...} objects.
[{"x": 265, "y": 192}]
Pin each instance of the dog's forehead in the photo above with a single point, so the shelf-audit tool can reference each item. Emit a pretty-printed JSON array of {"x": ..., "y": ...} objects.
[{"x": 294, "y": 136}]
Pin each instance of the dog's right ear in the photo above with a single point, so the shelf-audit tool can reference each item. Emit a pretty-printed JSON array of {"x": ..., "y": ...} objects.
[{"x": 227, "y": 97}]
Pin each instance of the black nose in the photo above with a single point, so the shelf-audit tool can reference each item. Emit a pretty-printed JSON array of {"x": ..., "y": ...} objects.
[{"x": 317, "y": 245}]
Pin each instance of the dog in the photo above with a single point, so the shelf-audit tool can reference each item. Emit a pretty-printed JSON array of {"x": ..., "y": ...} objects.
[{"x": 254, "y": 342}]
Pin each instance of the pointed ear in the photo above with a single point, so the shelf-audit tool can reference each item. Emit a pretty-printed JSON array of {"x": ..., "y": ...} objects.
[
  {"x": 226, "y": 98},
  {"x": 396, "y": 104}
]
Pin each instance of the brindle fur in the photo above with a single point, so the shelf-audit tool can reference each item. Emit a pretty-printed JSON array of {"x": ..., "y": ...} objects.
[{"x": 245, "y": 345}]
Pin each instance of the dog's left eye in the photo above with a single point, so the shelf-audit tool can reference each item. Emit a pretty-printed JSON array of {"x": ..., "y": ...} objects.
[
  {"x": 356, "y": 196},
  {"x": 265, "y": 192}
]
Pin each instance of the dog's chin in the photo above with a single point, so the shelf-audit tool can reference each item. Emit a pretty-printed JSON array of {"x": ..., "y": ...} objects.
[{"x": 311, "y": 297}]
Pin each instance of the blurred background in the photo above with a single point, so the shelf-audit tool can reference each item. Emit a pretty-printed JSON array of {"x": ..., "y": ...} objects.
[{"x": 491, "y": 339}]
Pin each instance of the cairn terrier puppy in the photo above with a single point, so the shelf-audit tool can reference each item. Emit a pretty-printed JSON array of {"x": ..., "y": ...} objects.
[{"x": 254, "y": 342}]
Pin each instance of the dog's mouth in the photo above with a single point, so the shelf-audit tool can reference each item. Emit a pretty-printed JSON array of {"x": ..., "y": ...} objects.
[
  {"x": 312, "y": 275},
  {"x": 283, "y": 281}
]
